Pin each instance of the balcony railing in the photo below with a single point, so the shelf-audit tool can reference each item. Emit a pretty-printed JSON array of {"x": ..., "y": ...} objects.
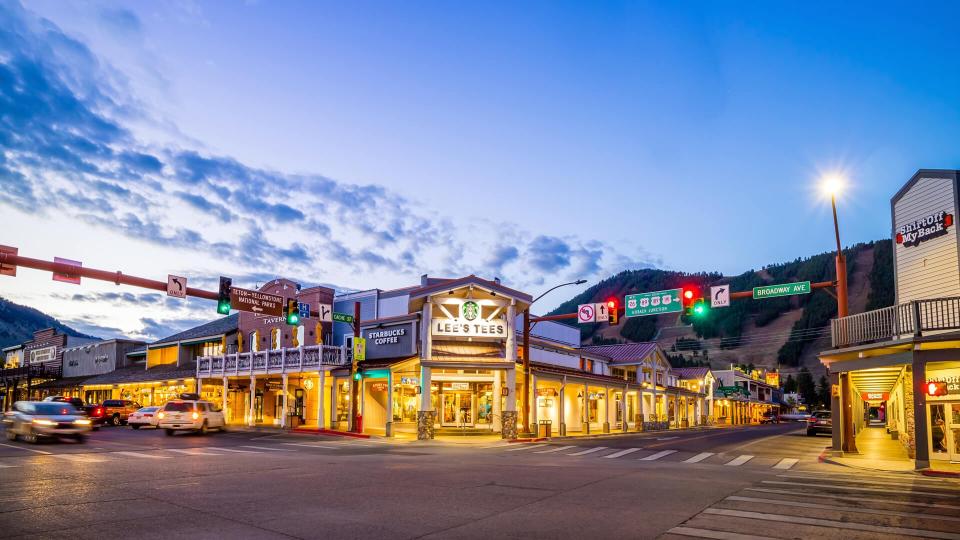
[
  {"x": 279, "y": 361},
  {"x": 896, "y": 322},
  {"x": 35, "y": 371}
]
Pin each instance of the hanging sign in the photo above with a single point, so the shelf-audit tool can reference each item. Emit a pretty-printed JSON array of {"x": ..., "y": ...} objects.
[
  {"x": 546, "y": 392},
  {"x": 378, "y": 387}
]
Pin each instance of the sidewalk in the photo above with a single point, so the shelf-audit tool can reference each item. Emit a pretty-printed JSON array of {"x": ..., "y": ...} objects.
[{"x": 877, "y": 451}]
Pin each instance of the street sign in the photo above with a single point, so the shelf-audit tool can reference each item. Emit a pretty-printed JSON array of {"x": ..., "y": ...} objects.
[
  {"x": 603, "y": 314},
  {"x": 304, "y": 310},
  {"x": 256, "y": 302},
  {"x": 8, "y": 269},
  {"x": 586, "y": 313},
  {"x": 359, "y": 349},
  {"x": 341, "y": 317},
  {"x": 326, "y": 312},
  {"x": 720, "y": 296},
  {"x": 176, "y": 286},
  {"x": 785, "y": 289},
  {"x": 653, "y": 303},
  {"x": 67, "y": 278}
]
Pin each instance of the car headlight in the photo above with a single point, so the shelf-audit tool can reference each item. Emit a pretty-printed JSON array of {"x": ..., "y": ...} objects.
[
  {"x": 196, "y": 416},
  {"x": 160, "y": 416},
  {"x": 82, "y": 422},
  {"x": 43, "y": 422}
]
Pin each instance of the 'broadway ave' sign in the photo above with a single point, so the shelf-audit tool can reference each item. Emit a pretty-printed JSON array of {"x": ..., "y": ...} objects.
[{"x": 785, "y": 289}]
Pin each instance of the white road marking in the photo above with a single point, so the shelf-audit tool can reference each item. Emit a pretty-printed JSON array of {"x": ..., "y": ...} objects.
[
  {"x": 622, "y": 453},
  {"x": 868, "y": 481},
  {"x": 739, "y": 461},
  {"x": 699, "y": 457},
  {"x": 310, "y": 445},
  {"x": 855, "y": 488},
  {"x": 717, "y": 535},
  {"x": 551, "y": 450},
  {"x": 79, "y": 458},
  {"x": 786, "y": 463},
  {"x": 658, "y": 455},
  {"x": 501, "y": 445},
  {"x": 267, "y": 448},
  {"x": 853, "y": 499},
  {"x": 142, "y": 455},
  {"x": 5, "y": 466},
  {"x": 588, "y": 451},
  {"x": 26, "y": 449},
  {"x": 667, "y": 438},
  {"x": 524, "y": 447},
  {"x": 841, "y": 507},
  {"x": 234, "y": 450},
  {"x": 193, "y": 452},
  {"x": 844, "y": 477},
  {"x": 903, "y": 531}
]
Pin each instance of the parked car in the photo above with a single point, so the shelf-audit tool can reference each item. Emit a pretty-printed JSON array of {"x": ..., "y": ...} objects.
[
  {"x": 92, "y": 411},
  {"x": 35, "y": 420},
  {"x": 145, "y": 417},
  {"x": 770, "y": 417},
  {"x": 819, "y": 422},
  {"x": 117, "y": 411},
  {"x": 190, "y": 415}
]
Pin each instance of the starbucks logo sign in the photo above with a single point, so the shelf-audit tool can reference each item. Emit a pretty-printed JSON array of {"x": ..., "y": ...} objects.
[{"x": 470, "y": 310}]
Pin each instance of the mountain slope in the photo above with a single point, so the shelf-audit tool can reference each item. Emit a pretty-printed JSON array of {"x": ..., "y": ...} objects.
[
  {"x": 785, "y": 332},
  {"x": 18, "y": 323}
]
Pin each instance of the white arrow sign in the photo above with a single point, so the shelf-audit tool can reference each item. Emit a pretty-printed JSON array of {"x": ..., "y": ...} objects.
[
  {"x": 601, "y": 311},
  {"x": 720, "y": 296},
  {"x": 176, "y": 286}
]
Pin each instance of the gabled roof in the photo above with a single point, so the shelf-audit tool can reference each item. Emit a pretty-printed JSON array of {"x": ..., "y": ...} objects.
[
  {"x": 460, "y": 282},
  {"x": 688, "y": 373},
  {"x": 624, "y": 352},
  {"x": 224, "y": 325}
]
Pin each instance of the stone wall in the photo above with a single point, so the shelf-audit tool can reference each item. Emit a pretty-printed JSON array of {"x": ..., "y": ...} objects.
[
  {"x": 509, "y": 425},
  {"x": 908, "y": 436},
  {"x": 425, "y": 421}
]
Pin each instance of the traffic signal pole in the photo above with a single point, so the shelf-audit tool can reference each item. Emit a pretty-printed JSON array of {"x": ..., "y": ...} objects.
[{"x": 354, "y": 370}]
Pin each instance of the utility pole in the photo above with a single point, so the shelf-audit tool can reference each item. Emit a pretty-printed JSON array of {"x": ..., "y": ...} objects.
[
  {"x": 527, "y": 428},
  {"x": 354, "y": 372}
]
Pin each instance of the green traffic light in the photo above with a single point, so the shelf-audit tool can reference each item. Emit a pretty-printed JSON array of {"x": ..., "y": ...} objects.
[
  {"x": 293, "y": 319},
  {"x": 356, "y": 376},
  {"x": 223, "y": 308}
]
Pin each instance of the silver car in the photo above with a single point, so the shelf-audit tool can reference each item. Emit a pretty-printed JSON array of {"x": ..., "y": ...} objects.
[{"x": 33, "y": 420}]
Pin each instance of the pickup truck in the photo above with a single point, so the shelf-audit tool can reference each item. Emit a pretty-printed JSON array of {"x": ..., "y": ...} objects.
[
  {"x": 116, "y": 411},
  {"x": 91, "y": 410}
]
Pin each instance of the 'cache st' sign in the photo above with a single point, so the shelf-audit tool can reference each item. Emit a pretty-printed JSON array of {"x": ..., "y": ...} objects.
[
  {"x": 256, "y": 302},
  {"x": 785, "y": 289}
]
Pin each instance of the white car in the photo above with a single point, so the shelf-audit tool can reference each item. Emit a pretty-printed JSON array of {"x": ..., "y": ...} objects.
[
  {"x": 145, "y": 417},
  {"x": 190, "y": 415}
]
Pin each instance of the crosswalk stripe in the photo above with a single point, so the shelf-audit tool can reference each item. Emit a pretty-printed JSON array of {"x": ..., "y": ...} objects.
[
  {"x": 193, "y": 452},
  {"x": 523, "y": 447},
  {"x": 843, "y": 476},
  {"x": 44, "y": 452},
  {"x": 739, "y": 461},
  {"x": 310, "y": 445},
  {"x": 588, "y": 451},
  {"x": 554, "y": 449},
  {"x": 267, "y": 448},
  {"x": 786, "y": 463},
  {"x": 79, "y": 458},
  {"x": 717, "y": 535},
  {"x": 837, "y": 497},
  {"x": 699, "y": 457},
  {"x": 234, "y": 450},
  {"x": 855, "y": 488},
  {"x": 622, "y": 453},
  {"x": 5, "y": 466},
  {"x": 658, "y": 455},
  {"x": 831, "y": 523},
  {"x": 868, "y": 481},
  {"x": 841, "y": 507},
  {"x": 142, "y": 455}
]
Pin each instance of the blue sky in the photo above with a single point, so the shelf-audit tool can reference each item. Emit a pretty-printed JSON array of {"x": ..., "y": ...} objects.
[{"x": 362, "y": 144}]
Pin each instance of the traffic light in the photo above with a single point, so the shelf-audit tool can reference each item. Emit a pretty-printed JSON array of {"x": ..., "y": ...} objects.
[
  {"x": 700, "y": 308},
  {"x": 223, "y": 298},
  {"x": 293, "y": 312},
  {"x": 689, "y": 294},
  {"x": 612, "y": 314},
  {"x": 935, "y": 388}
]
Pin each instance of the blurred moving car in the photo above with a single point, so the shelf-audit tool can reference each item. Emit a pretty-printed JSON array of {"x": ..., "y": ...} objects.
[
  {"x": 819, "y": 422},
  {"x": 770, "y": 417},
  {"x": 33, "y": 420},
  {"x": 145, "y": 417},
  {"x": 91, "y": 410},
  {"x": 191, "y": 415},
  {"x": 117, "y": 411}
]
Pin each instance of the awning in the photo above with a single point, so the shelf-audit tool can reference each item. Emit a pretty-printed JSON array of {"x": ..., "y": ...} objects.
[{"x": 66, "y": 382}]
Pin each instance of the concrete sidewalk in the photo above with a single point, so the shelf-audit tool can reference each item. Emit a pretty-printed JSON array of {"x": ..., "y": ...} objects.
[{"x": 877, "y": 451}]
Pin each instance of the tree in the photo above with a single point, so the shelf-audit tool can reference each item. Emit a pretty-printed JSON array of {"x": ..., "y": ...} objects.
[
  {"x": 823, "y": 392},
  {"x": 789, "y": 385},
  {"x": 806, "y": 387}
]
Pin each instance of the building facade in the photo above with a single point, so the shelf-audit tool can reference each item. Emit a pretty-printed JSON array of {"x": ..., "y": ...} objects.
[
  {"x": 32, "y": 369},
  {"x": 744, "y": 397}
]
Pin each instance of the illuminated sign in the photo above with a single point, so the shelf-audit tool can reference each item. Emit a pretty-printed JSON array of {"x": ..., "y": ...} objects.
[
  {"x": 875, "y": 396},
  {"x": 460, "y": 328},
  {"x": 923, "y": 229}
]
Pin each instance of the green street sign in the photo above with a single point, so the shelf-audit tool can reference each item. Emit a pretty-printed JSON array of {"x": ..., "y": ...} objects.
[
  {"x": 653, "y": 303},
  {"x": 342, "y": 317},
  {"x": 785, "y": 289}
]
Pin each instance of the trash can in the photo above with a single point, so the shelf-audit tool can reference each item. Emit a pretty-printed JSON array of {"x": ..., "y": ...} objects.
[{"x": 545, "y": 428}]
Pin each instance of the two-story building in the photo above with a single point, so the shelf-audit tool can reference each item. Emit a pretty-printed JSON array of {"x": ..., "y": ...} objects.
[
  {"x": 38, "y": 362},
  {"x": 742, "y": 397},
  {"x": 905, "y": 359}
]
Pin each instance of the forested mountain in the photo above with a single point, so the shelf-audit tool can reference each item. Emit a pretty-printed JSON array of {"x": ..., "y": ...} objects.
[
  {"x": 18, "y": 323},
  {"x": 782, "y": 332}
]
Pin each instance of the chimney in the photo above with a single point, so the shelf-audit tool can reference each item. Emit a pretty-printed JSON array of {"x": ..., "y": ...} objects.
[
  {"x": 424, "y": 280},
  {"x": 496, "y": 280}
]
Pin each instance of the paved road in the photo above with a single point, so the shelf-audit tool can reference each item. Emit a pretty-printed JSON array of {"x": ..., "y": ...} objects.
[{"x": 142, "y": 484}]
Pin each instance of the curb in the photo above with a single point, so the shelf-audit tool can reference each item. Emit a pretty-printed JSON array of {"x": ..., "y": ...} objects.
[
  {"x": 940, "y": 474},
  {"x": 527, "y": 440},
  {"x": 822, "y": 458}
]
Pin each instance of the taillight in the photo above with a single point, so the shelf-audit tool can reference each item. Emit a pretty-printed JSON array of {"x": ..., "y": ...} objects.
[{"x": 147, "y": 415}]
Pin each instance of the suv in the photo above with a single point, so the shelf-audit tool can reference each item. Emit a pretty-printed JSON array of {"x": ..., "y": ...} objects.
[
  {"x": 116, "y": 411},
  {"x": 819, "y": 422},
  {"x": 190, "y": 415},
  {"x": 92, "y": 411}
]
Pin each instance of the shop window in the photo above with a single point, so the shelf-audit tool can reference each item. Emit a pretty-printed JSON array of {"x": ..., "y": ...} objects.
[{"x": 586, "y": 365}]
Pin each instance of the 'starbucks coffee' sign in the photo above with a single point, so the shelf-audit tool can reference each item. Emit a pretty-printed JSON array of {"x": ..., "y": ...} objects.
[{"x": 925, "y": 228}]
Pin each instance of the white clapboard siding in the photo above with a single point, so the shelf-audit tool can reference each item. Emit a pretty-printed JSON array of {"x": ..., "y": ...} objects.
[{"x": 931, "y": 269}]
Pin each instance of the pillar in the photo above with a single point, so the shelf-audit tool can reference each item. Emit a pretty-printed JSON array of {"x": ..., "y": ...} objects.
[
  {"x": 586, "y": 409},
  {"x": 921, "y": 437},
  {"x": 509, "y": 428},
  {"x": 253, "y": 399},
  {"x": 321, "y": 381},
  {"x": 388, "y": 432},
  {"x": 848, "y": 440},
  {"x": 625, "y": 421},
  {"x": 606, "y": 410},
  {"x": 426, "y": 416},
  {"x": 283, "y": 412},
  {"x": 223, "y": 405},
  {"x": 497, "y": 400},
  {"x": 532, "y": 404},
  {"x": 562, "y": 413}
]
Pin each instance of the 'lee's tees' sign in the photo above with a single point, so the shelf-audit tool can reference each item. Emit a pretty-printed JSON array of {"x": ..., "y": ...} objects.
[
  {"x": 925, "y": 228},
  {"x": 461, "y": 328}
]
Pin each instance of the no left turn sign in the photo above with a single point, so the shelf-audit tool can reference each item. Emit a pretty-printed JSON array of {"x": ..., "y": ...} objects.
[{"x": 586, "y": 313}]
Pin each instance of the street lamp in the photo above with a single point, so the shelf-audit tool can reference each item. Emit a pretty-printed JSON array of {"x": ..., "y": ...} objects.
[{"x": 526, "y": 353}]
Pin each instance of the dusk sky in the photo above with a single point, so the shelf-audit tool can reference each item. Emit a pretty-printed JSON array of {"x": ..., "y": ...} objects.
[{"x": 362, "y": 144}]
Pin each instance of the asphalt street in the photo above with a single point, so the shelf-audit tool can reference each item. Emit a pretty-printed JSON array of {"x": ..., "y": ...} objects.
[{"x": 762, "y": 481}]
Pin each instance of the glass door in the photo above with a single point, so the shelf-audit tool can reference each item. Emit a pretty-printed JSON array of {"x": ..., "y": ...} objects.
[
  {"x": 953, "y": 429},
  {"x": 457, "y": 409}
]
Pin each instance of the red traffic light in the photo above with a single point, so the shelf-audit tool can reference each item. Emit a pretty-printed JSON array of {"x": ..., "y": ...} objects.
[
  {"x": 688, "y": 294},
  {"x": 935, "y": 388},
  {"x": 611, "y": 304},
  {"x": 612, "y": 312}
]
